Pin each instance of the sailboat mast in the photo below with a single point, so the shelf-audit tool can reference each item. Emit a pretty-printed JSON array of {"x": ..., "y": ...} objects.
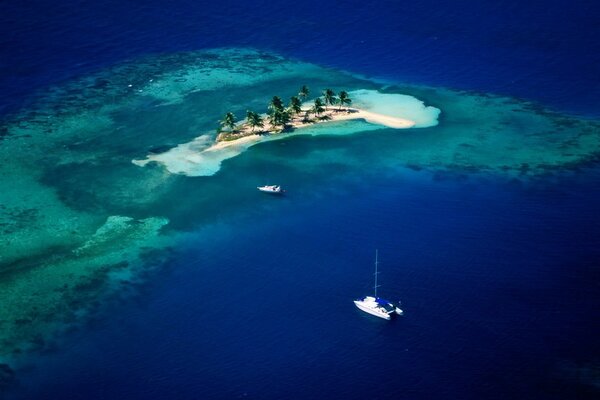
[{"x": 376, "y": 264}]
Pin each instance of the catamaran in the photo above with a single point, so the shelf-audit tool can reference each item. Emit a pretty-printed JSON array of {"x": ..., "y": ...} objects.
[
  {"x": 274, "y": 189},
  {"x": 376, "y": 305}
]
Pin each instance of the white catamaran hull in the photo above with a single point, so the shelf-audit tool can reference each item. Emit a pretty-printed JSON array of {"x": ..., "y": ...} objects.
[
  {"x": 372, "y": 311},
  {"x": 375, "y": 305}
]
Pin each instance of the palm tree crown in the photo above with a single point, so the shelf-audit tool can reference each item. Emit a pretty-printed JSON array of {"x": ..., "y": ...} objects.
[
  {"x": 228, "y": 121},
  {"x": 275, "y": 105},
  {"x": 303, "y": 93},
  {"x": 254, "y": 120},
  {"x": 295, "y": 105},
  {"x": 329, "y": 97},
  {"x": 318, "y": 106},
  {"x": 280, "y": 118},
  {"x": 344, "y": 98}
]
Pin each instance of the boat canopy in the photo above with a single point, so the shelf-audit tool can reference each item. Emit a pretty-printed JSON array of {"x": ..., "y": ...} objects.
[{"x": 384, "y": 303}]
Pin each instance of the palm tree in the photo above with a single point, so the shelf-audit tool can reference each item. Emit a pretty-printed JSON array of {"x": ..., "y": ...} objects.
[
  {"x": 329, "y": 97},
  {"x": 344, "y": 98},
  {"x": 303, "y": 93},
  {"x": 285, "y": 118},
  {"x": 295, "y": 105},
  {"x": 275, "y": 105},
  {"x": 318, "y": 107},
  {"x": 278, "y": 118},
  {"x": 228, "y": 121},
  {"x": 254, "y": 120},
  {"x": 306, "y": 118}
]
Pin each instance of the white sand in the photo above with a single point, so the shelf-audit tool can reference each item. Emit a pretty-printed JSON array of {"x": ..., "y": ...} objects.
[
  {"x": 334, "y": 114},
  {"x": 396, "y": 105},
  {"x": 373, "y": 117},
  {"x": 203, "y": 157}
]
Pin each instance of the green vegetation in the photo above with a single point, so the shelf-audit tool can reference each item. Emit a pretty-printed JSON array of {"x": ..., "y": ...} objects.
[
  {"x": 329, "y": 97},
  {"x": 228, "y": 121},
  {"x": 295, "y": 105},
  {"x": 304, "y": 92},
  {"x": 275, "y": 105},
  {"x": 254, "y": 120},
  {"x": 344, "y": 99},
  {"x": 318, "y": 107},
  {"x": 279, "y": 117}
]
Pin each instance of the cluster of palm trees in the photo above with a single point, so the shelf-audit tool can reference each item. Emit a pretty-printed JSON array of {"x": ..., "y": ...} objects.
[{"x": 280, "y": 115}]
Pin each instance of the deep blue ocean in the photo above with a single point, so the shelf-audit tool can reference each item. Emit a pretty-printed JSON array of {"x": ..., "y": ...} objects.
[
  {"x": 499, "y": 280},
  {"x": 546, "y": 50}
]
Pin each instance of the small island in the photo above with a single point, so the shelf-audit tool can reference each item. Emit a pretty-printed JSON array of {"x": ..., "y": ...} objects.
[
  {"x": 203, "y": 155},
  {"x": 280, "y": 118}
]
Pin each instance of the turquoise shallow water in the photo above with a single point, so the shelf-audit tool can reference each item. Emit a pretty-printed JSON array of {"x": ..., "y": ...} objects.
[{"x": 482, "y": 219}]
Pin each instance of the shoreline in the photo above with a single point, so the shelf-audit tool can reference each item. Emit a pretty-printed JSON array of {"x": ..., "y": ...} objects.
[
  {"x": 205, "y": 154},
  {"x": 246, "y": 135}
]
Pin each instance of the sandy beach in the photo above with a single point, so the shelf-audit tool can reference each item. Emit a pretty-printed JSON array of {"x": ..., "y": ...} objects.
[
  {"x": 375, "y": 118},
  {"x": 246, "y": 135},
  {"x": 203, "y": 155}
]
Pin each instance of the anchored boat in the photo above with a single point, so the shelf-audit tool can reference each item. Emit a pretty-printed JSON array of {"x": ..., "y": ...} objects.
[
  {"x": 376, "y": 305},
  {"x": 273, "y": 189}
]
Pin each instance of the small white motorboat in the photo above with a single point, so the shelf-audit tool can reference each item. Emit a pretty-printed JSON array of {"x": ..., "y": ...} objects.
[{"x": 273, "y": 189}]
